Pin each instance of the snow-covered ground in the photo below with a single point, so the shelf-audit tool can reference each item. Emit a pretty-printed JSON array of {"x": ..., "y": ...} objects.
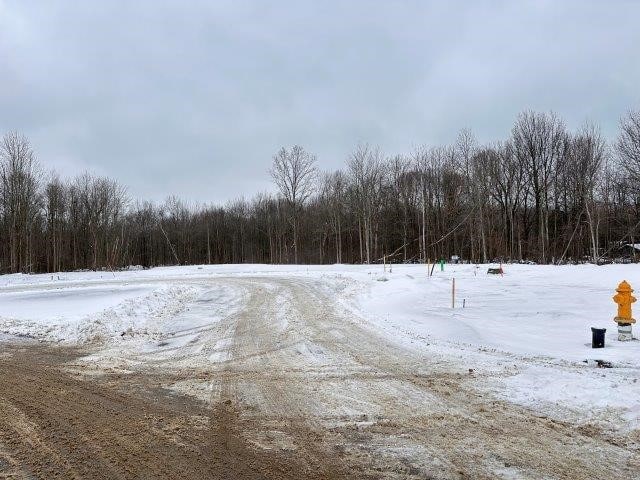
[
  {"x": 534, "y": 323},
  {"x": 530, "y": 329}
]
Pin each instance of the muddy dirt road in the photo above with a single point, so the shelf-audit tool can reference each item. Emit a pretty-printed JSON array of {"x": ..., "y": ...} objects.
[{"x": 288, "y": 385}]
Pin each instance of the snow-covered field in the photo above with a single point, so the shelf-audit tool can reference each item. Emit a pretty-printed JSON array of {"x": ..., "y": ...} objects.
[{"x": 528, "y": 330}]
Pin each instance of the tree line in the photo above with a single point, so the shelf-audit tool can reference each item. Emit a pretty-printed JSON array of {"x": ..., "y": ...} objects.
[{"x": 544, "y": 194}]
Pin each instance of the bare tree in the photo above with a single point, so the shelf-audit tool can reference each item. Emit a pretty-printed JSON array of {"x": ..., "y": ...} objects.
[
  {"x": 333, "y": 192},
  {"x": 472, "y": 163},
  {"x": 421, "y": 163},
  {"x": 403, "y": 193},
  {"x": 365, "y": 171},
  {"x": 539, "y": 139},
  {"x": 628, "y": 144},
  {"x": 19, "y": 197},
  {"x": 507, "y": 179},
  {"x": 55, "y": 205},
  {"x": 294, "y": 172},
  {"x": 102, "y": 202},
  {"x": 480, "y": 170},
  {"x": 586, "y": 155}
]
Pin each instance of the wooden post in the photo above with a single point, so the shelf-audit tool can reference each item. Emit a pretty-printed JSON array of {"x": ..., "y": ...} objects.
[
  {"x": 208, "y": 246},
  {"x": 453, "y": 293}
]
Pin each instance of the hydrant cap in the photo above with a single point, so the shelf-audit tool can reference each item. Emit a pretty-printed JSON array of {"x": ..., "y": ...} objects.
[{"x": 624, "y": 287}]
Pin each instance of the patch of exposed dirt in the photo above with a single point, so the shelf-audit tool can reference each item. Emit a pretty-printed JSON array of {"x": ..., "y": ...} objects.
[{"x": 54, "y": 425}]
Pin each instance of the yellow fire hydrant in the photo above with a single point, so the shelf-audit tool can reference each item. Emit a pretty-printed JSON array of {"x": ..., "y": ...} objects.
[{"x": 624, "y": 299}]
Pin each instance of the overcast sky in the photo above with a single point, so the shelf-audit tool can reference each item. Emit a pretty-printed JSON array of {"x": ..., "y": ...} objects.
[{"x": 193, "y": 98}]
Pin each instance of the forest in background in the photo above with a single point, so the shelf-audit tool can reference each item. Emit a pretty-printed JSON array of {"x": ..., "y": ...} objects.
[{"x": 544, "y": 194}]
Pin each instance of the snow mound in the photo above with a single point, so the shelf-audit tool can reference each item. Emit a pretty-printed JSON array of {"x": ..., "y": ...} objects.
[{"x": 90, "y": 314}]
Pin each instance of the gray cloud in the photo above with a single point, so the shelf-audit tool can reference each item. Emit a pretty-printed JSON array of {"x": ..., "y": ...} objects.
[{"x": 193, "y": 98}]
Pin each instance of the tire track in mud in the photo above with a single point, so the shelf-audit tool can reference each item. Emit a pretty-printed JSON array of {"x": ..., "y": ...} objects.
[
  {"x": 257, "y": 417},
  {"x": 56, "y": 426},
  {"x": 53, "y": 425}
]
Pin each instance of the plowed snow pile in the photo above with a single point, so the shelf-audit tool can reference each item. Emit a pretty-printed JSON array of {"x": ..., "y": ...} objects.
[{"x": 80, "y": 314}]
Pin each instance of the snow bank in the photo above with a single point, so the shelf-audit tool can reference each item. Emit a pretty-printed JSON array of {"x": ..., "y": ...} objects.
[{"x": 89, "y": 313}]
